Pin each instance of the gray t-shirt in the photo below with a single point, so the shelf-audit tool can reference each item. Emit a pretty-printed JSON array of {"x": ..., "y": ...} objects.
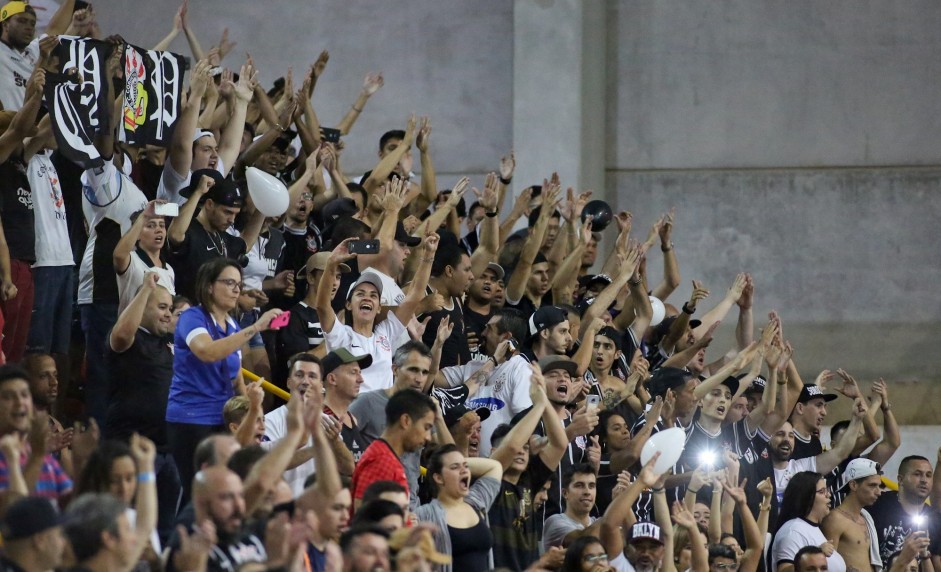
[
  {"x": 369, "y": 409},
  {"x": 557, "y": 527}
]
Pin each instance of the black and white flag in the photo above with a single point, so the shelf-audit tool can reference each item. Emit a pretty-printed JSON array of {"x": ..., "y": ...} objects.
[
  {"x": 71, "y": 107},
  {"x": 89, "y": 59},
  {"x": 152, "y": 94}
]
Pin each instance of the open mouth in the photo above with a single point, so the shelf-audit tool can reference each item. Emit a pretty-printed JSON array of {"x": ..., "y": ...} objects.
[
  {"x": 465, "y": 482},
  {"x": 563, "y": 390},
  {"x": 366, "y": 307},
  {"x": 520, "y": 460},
  {"x": 784, "y": 449},
  {"x": 473, "y": 448},
  {"x": 212, "y": 163},
  {"x": 720, "y": 410}
]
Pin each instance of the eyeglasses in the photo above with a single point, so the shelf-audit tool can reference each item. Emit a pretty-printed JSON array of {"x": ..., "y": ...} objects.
[
  {"x": 231, "y": 283},
  {"x": 731, "y": 567},
  {"x": 592, "y": 558}
]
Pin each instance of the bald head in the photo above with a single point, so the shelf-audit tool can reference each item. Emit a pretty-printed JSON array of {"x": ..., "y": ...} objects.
[{"x": 218, "y": 495}]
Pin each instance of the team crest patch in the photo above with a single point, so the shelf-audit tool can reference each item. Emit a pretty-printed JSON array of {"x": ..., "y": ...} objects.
[{"x": 384, "y": 343}]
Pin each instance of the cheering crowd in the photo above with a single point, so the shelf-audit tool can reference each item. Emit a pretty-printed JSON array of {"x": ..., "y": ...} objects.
[{"x": 388, "y": 375}]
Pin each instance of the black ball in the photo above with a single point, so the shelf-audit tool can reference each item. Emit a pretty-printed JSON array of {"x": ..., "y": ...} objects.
[{"x": 600, "y": 213}]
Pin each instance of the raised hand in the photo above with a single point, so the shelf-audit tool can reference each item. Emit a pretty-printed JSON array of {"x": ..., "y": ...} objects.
[
  {"x": 823, "y": 378},
  {"x": 746, "y": 300},
  {"x": 144, "y": 452},
  {"x": 321, "y": 64},
  {"x": 394, "y": 197},
  {"x": 699, "y": 293},
  {"x": 666, "y": 229},
  {"x": 624, "y": 219},
  {"x": 648, "y": 475},
  {"x": 179, "y": 19},
  {"x": 225, "y": 46},
  {"x": 738, "y": 287},
  {"x": 706, "y": 338},
  {"x": 458, "y": 191},
  {"x": 372, "y": 83},
  {"x": 424, "y": 132},
  {"x": 489, "y": 197},
  {"x": 255, "y": 394},
  {"x": 765, "y": 488},
  {"x": 430, "y": 245},
  {"x": 849, "y": 387},
  {"x": 508, "y": 165},
  {"x": 248, "y": 79},
  {"x": 537, "y": 386},
  {"x": 194, "y": 550},
  {"x": 594, "y": 452},
  {"x": 682, "y": 516},
  {"x": 445, "y": 328}
]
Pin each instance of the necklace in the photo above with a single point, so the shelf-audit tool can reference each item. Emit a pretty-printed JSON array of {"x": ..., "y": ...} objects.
[
  {"x": 218, "y": 244},
  {"x": 857, "y": 519}
]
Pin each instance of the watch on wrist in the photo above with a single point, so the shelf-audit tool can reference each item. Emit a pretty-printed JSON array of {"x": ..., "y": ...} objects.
[{"x": 687, "y": 310}]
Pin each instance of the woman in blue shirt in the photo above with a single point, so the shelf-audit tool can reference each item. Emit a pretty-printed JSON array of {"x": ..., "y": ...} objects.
[{"x": 207, "y": 361}]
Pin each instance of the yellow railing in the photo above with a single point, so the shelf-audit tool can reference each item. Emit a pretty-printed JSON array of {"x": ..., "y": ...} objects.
[{"x": 266, "y": 385}]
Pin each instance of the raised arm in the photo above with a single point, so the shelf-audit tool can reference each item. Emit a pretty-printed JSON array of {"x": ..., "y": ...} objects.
[
  {"x": 323, "y": 303},
  {"x": 489, "y": 245},
  {"x": 521, "y": 432},
  {"x": 380, "y": 173},
  {"x": 25, "y": 118},
  {"x": 175, "y": 30},
  {"x": 441, "y": 213},
  {"x": 371, "y": 85},
  {"x": 429, "y": 186},
  {"x": 516, "y": 287},
  {"x": 125, "y": 329},
  {"x": 416, "y": 292},
  {"x": 266, "y": 473},
  {"x": 61, "y": 19},
  {"x": 891, "y": 437},
  {"x": 520, "y": 207},
  {"x": 754, "y": 537},
  {"x": 176, "y": 233},
  {"x": 231, "y": 139},
  {"x": 180, "y": 154},
  {"x": 620, "y": 508},
  {"x": 682, "y": 517},
  {"x": 671, "y": 267},
  {"x": 552, "y": 454},
  {"x": 679, "y": 326},
  {"x": 829, "y": 460},
  {"x": 209, "y": 350},
  {"x": 564, "y": 279},
  {"x": 121, "y": 258},
  {"x": 245, "y": 433},
  {"x": 718, "y": 313}
]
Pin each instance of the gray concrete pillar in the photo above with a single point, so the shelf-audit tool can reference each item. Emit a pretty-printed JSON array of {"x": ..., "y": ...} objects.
[{"x": 559, "y": 92}]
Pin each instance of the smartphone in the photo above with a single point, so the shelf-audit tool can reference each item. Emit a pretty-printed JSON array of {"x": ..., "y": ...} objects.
[
  {"x": 594, "y": 401},
  {"x": 280, "y": 321},
  {"x": 364, "y": 246},
  {"x": 537, "y": 190},
  {"x": 330, "y": 135},
  {"x": 514, "y": 345},
  {"x": 167, "y": 209}
]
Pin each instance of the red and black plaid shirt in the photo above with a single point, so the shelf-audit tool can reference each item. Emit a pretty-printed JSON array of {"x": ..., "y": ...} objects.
[{"x": 378, "y": 463}]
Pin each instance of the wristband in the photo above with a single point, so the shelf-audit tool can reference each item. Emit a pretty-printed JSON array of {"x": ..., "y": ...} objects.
[
  {"x": 492, "y": 214},
  {"x": 686, "y": 309},
  {"x": 763, "y": 507},
  {"x": 146, "y": 477},
  {"x": 660, "y": 490},
  {"x": 662, "y": 249},
  {"x": 506, "y": 181},
  {"x": 632, "y": 283},
  {"x": 689, "y": 490}
]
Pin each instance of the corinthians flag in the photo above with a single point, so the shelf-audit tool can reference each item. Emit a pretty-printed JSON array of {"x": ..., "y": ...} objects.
[{"x": 80, "y": 106}]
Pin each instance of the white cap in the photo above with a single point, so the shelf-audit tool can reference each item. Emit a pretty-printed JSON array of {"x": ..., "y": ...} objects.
[{"x": 860, "y": 469}]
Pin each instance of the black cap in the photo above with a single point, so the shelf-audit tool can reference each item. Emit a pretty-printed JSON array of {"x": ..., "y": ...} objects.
[
  {"x": 223, "y": 191},
  {"x": 611, "y": 333},
  {"x": 757, "y": 385},
  {"x": 453, "y": 414},
  {"x": 553, "y": 362},
  {"x": 810, "y": 392},
  {"x": 732, "y": 383},
  {"x": 546, "y": 317},
  {"x": 663, "y": 328},
  {"x": 666, "y": 378},
  {"x": 338, "y": 208},
  {"x": 404, "y": 237},
  {"x": 29, "y": 516},
  {"x": 341, "y": 356}
]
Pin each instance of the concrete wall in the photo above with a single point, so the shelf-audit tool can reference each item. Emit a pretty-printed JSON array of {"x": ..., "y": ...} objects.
[
  {"x": 450, "y": 61},
  {"x": 745, "y": 116}
]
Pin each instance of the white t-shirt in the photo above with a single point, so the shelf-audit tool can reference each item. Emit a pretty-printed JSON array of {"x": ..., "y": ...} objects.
[
  {"x": 506, "y": 393},
  {"x": 107, "y": 193},
  {"x": 15, "y": 69},
  {"x": 275, "y": 429},
  {"x": 392, "y": 295},
  {"x": 557, "y": 527},
  {"x": 52, "y": 229},
  {"x": 622, "y": 564},
  {"x": 381, "y": 346},
  {"x": 171, "y": 182},
  {"x": 154, "y": 538},
  {"x": 783, "y": 476},
  {"x": 132, "y": 278},
  {"x": 796, "y": 534}
]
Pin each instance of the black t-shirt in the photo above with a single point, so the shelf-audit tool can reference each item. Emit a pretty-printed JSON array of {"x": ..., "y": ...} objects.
[
  {"x": 525, "y": 305},
  {"x": 302, "y": 333},
  {"x": 893, "y": 524},
  {"x": 804, "y": 447},
  {"x": 516, "y": 527},
  {"x": 139, "y": 383},
  {"x": 298, "y": 247},
  {"x": 474, "y": 322},
  {"x": 455, "y": 350},
  {"x": 198, "y": 247},
  {"x": 230, "y": 553},
  {"x": 16, "y": 209}
]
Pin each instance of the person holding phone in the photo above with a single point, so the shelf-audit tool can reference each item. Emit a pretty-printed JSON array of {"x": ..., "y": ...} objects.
[
  {"x": 361, "y": 333},
  {"x": 207, "y": 361}
]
